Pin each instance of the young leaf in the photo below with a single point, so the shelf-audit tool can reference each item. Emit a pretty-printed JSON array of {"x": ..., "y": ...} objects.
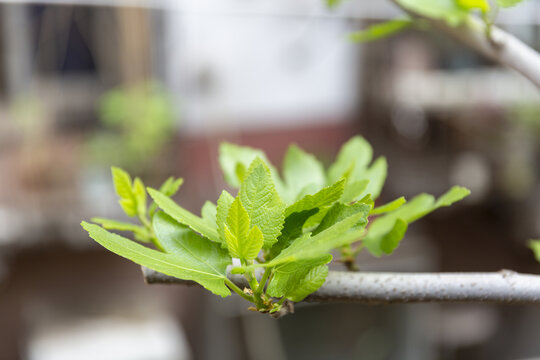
[
  {"x": 223, "y": 205},
  {"x": 390, "y": 241},
  {"x": 242, "y": 242},
  {"x": 391, "y": 206},
  {"x": 339, "y": 212},
  {"x": 123, "y": 187},
  {"x": 419, "y": 206},
  {"x": 354, "y": 156},
  {"x": 139, "y": 192},
  {"x": 482, "y": 5},
  {"x": 447, "y": 10},
  {"x": 169, "y": 188},
  {"x": 508, "y": 3},
  {"x": 535, "y": 246},
  {"x": 292, "y": 229},
  {"x": 381, "y": 30},
  {"x": 207, "y": 269},
  {"x": 296, "y": 280},
  {"x": 311, "y": 247},
  {"x": 376, "y": 174},
  {"x": 230, "y": 156},
  {"x": 209, "y": 212},
  {"x": 140, "y": 232},
  {"x": 322, "y": 199},
  {"x": 353, "y": 190},
  {"x": 183, "y": 216},
  {"x": 302, "y": 173},
  {"x": 262, "y": 202}
]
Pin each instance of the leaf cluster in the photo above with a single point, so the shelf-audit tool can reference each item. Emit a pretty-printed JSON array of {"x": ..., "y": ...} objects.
[
  {"x": 284, "y": 224},
  {"x": 453, "y": 12}
]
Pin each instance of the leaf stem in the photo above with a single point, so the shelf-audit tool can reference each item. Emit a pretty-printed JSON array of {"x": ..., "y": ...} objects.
[
  {"x": 262, "y": 283},
  {"x": 237, "y": 290}
]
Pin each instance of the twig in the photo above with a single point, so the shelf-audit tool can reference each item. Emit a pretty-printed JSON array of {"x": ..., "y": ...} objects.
[
  {"x": 500, "y": 46},
  {"x": 503, "y": 287}
]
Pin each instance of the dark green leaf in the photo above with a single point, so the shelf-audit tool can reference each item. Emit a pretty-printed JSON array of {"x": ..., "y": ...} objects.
[{"x": 292, "y": 229}]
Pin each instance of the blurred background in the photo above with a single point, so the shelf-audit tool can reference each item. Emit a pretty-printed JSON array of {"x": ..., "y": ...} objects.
[{"x": 154, "y": 87}]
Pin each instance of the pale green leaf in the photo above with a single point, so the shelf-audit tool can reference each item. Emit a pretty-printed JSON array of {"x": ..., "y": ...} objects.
[
  {"x": 482, "y": 5},
  {"x": 456, "y": 193},
  {"x": 201, "y": 269},
  {"x": 302, "y": 173},
  {"x": 353, "y": 190},
  {"x": 262, "y": 202},
  {"x": 230, "y": 156},
  {"x": 508, "y": 3},
  {"x": 376, "y": 174},
  {"x": 447, "y": 10},
  {"x": 209, "y": 212},
  {"x": 169, "y": 188},
  {"x": 223, "y": 205},
  {"x": 391, "y": 206},
  {"x": 141, "y": 233},
  {"x": 535, "y": 246},
  {"x": 354, "y": 156},
  {"x": 139, "y": 192},
  {"x": 183, "y": 216},
  {"x": 241, "y": 242},
  {"x": 123, "y": 187},
  {"x": 418, "y": 207},
  {"x": 381, "y": 30}
]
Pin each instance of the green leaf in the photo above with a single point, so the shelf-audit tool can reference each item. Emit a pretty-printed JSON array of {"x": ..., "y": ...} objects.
[
  {"x": 207, "y": 266},
  {"x": 183, "y": 216},
  {"x": 209, "y": 212},
  {"x": 354, "y": 156},
  {"x": 140, "y": 196},
  {"x": 242, "y": 242},
  {"x": 171, "y": 186},
  {"x": 292, "y": 229},
  {"x": 140, "y": 232},
  {"x": 262, "y": 202},
  {"x": 508, "y": 3},
  {"x": 380, "y": 30},
  {"x": 376, "y": 175},
  {"x": 535, "y": 246},
  {"x": 339, "y": 212},
  {"x": 311, "y": 247},
  {"x": 456, "y": 193},
  {"x": 482, "y": 5},
  {"x": 123, "y": 187},
  {"x": 390, "y": 241},
  {"x": 234, "y": 158},
  {"x": 447, "y": 10},
  {"x": 223, "y": 205},
  {"x": 418, "y": 207},
  {"x": 333, "y": 3},
  {"x": 391, "y": 206},
  {"x": 302, "y": 173},
  {"x": 353, "y": 190},
  {"x": 297, "y": 280},
  {"x": 322, "y": 199}
]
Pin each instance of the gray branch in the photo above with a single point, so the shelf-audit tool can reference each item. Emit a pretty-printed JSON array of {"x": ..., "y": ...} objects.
[
  {"x": 503, "y": 287},
  {"x": 501, "y": 46}
]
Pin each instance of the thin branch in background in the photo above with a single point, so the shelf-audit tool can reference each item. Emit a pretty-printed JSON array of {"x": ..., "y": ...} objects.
[
  {"x": 500, "y": 46},
  {"x": 503, "y": 287}
]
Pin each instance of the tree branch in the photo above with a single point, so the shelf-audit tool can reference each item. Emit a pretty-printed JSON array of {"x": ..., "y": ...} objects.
[
  {"x": 503, "y": 287},
  {"x": 500, "y": 46}
]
